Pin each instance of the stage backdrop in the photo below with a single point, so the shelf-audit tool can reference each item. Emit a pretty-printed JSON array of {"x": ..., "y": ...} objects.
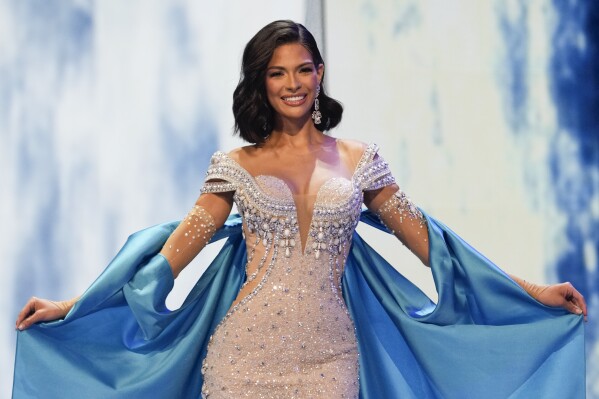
[{"x": 110, "y": 110}]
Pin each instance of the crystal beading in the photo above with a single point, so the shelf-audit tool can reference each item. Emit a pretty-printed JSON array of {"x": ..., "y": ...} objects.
[
  {"x": 399, "y": 203},
  {"x": 192, "y": 234}
]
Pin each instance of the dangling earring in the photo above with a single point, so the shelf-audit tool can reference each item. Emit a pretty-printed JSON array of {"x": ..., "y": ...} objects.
[{"x": 316, "y": 115}]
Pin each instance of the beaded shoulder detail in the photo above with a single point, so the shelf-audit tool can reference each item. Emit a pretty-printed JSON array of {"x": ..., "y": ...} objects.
[
  {"x": 369, "y": 153},
  {"x": 231, "y": 176},
  {"x": 372, "y": 171},
  {"x": 223, "y": 174}
]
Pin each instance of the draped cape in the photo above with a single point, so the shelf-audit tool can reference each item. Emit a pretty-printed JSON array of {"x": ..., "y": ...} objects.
[{"x": 484, "y": 338}]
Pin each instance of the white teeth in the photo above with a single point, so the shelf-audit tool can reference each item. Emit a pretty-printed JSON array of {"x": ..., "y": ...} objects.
[{"x": 296, "y": 98}]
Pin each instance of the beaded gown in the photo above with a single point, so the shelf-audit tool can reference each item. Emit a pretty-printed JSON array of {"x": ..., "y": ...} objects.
[
  {"x": 291, "y": 336},
  {"x": 267, "y": 320}
]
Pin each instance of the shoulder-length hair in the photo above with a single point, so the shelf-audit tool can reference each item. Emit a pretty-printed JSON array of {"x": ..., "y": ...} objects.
[{"x": 254, "y": 116}]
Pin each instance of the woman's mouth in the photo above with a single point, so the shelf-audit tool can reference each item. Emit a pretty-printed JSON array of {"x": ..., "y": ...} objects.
[{"x": 294, "y": 100}]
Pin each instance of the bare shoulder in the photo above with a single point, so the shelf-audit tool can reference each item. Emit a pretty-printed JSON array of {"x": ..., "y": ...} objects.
[
  {"x": 249, "y": 157},
  {"x": 242, "y": 154},
  {"x": 352, "y": 149}
]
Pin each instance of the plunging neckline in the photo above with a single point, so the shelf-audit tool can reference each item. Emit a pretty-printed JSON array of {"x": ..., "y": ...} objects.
[{"x": 292, "y": 202}]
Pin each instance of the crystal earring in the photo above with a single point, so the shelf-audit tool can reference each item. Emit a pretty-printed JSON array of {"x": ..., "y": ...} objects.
[{"x": 316, "y": 115}]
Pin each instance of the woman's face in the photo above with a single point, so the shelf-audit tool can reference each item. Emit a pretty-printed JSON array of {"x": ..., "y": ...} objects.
[{"x": 291, "y": 81}]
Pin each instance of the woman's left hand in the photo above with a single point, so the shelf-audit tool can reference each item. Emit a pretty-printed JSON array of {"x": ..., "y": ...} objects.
[{"x": 563, "y": 295}]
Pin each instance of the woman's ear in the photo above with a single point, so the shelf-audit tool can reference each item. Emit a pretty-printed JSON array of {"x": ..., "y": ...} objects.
[{"x": 320, "y": 72}]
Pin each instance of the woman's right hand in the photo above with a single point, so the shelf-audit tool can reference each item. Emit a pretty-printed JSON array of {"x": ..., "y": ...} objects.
[{"x": 36, "y": 310}]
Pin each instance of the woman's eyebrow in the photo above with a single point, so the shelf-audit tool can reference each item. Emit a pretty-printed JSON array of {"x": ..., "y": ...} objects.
[{"x": 299, "y": 66}]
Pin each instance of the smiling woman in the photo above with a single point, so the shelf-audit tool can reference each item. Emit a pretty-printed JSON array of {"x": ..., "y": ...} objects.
[
  {"x": 264, "y": 62},
  {"x": 296, "y": 305}
]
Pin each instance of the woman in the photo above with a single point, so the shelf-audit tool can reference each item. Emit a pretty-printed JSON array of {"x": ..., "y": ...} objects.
[{"x": 293, "y": 328}]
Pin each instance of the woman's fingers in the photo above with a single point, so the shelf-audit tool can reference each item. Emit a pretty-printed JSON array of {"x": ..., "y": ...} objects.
[
  {"x": 575, "y": 300},
  {"x": 32, "y": 319},
  {"x": 572, "y": 307},
  {"x": 568, "y": 297},
  {"x": 27, "y": 310}
]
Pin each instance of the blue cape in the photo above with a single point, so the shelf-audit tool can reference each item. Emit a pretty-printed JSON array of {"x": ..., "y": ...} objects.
[{"x": 485, "y": 338}]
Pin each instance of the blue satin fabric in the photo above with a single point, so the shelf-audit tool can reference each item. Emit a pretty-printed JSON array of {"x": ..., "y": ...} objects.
[{"x": 485, "y": 338}]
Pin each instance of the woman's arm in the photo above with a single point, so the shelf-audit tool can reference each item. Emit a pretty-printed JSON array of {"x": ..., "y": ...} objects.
[
  {"x": 406, "y": 222},
  {"x": 193, "y": 233},
  {"x": 402, "y": 217}
]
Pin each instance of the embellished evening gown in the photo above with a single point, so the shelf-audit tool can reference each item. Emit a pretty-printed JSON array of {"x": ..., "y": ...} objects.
[
  {"x": 267, "y": 319},
  {"x": 290, "y": 335}
]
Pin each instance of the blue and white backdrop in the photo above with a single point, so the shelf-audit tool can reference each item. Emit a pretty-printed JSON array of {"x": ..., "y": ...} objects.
[{"x": 110, "y": 110}]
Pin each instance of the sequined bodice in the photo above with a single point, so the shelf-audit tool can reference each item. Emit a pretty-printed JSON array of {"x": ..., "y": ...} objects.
[
  {"x": 290, "y": 317},
  {"x": 336, "y": 205},
  {"x": 270, "y": 215}
]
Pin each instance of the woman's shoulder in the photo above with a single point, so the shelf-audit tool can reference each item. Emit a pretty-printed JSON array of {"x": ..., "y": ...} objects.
[
  {"x": 234, "y": 154},
  {"x": 352, "y": 146},
  {"x": 354, "y": 149},
  {"x": 242, "y": 153}
]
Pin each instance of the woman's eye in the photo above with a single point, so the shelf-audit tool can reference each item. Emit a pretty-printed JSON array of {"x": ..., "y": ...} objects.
[
  {"x": 306, "y": 70},
  {"x": 275, "y": 74}
]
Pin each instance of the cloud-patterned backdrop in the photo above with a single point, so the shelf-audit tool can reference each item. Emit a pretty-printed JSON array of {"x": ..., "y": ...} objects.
[{"x": 110, "y": 110}]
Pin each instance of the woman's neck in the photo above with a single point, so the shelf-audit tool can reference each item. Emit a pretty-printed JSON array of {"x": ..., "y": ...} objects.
[{"x": 297, "y": 137}]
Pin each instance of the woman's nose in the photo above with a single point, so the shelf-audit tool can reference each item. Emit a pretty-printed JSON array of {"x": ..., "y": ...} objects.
[{"x": 293, "y": 84}]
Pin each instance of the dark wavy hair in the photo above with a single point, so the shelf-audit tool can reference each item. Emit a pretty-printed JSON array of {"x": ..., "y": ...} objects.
[{"x": 254, "y": 116}]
